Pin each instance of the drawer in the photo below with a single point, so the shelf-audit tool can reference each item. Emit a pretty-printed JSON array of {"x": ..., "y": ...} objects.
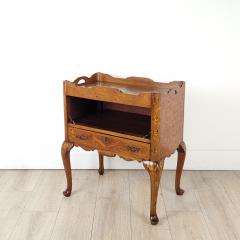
[{"x": 123, "y": 147}]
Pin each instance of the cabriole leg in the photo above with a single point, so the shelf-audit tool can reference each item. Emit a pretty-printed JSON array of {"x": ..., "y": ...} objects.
[
  {"x": 155, "y": 171},
  {"x": 66, "y": 147},
  {"x": 101, "y": 164},
  {"x": 181, "y": 158}
]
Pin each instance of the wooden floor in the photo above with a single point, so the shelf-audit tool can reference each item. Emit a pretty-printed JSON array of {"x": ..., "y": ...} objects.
[{"x": 116, "y": 206}]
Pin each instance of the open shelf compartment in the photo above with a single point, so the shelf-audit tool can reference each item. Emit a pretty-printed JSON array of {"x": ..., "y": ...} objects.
[{"x": 113, "y": 117}]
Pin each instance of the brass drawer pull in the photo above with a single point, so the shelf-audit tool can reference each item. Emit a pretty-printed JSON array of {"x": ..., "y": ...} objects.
[
  {"x": 82, "y": 137},
  {"x": 133, "y": 149},
  {"x": 106, "y": 140}
]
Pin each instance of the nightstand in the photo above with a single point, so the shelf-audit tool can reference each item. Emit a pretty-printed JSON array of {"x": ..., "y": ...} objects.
[{"x": 134, "y": 118}]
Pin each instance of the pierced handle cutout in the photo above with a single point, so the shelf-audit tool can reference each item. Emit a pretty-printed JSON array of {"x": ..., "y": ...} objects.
[
  {"x": 171, "y": 91},
  {"x": 80, "y": 80}
]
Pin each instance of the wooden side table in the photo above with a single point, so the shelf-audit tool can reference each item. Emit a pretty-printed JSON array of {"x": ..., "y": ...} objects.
[{"x": 134, "y": 118}]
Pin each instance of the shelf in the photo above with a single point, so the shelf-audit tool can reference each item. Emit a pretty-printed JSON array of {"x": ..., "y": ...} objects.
[{"x": 131, "y": 124}]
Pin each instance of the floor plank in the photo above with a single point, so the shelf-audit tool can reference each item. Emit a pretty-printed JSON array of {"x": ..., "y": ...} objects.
[
  {"x": 237, "y": 173},
  {"x": 220, "y": 214},
  {"x": 188, "y": 225},
  {"x": 11, "y": 208},
  {"x": 47, "y": 195},
  {"x": 227, "y": 179},
  {"x": 34, "y": 225},
  {"x": 76, "y": 214},
  {"x": 204, "y": 180},
  {"x": 112, "y": 214},
  {"x": 19, "y": 180},
  {"x": 55, "y": 178}
]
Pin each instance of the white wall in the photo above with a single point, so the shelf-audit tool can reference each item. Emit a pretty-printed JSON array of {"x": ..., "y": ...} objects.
[{"x": 43, "y": 43}]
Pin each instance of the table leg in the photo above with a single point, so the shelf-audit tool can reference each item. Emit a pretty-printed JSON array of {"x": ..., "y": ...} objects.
[
  {"x": 66, "y": 147},
  {"x": 181, "y": 158},
  {"x": 101, "y": 164},
  {"x": 155, "y": 171}
]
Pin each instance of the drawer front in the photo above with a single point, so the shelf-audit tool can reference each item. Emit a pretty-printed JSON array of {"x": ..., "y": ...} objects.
[{"x": 125, "y": 148}]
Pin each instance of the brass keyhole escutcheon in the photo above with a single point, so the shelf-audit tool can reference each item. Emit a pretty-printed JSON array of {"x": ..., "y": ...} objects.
[{"x": 106, "y": 140}]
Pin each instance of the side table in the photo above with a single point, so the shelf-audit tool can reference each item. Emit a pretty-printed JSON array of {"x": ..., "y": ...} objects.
[{"x": 134, "y": 118}]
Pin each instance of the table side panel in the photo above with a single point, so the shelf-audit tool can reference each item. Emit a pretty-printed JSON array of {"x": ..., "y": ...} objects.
[{"x": 171, "y": 121}]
